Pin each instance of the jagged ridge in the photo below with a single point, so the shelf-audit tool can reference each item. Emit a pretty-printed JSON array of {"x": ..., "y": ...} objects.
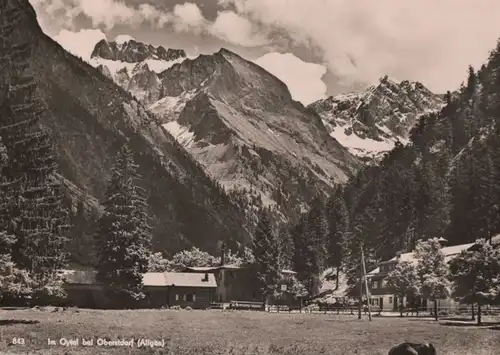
[{"x": 369, "y": 123}]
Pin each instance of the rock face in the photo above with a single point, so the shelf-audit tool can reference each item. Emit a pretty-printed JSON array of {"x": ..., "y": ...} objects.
[
  {"x": 135, "y": 66},
  {"x": 91, "y": 117},
  {"x": 240, "y": 123},
  {"x": 371, "y": 122},
  {"x": 132, "y": 51}
]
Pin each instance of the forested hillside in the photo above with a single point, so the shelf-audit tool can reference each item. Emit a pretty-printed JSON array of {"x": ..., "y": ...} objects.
[
  {"x": 90, "y": 117},
  {"x": 444, "y": 183}
]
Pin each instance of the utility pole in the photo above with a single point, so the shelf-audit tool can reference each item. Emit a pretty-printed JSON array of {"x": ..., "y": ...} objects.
[
  {"x": 360, "y": 305},
  {"x": 366, "y": 284}
]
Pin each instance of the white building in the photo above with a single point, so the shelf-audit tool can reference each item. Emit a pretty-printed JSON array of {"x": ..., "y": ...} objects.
[{"x": 383, "y": 298}]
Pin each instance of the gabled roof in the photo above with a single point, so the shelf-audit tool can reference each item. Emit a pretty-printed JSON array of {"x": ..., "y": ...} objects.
[
  {"x": 153, "y": 279},
  {"x": 228, "y": 267},
  {"x": 190, "y": 279},
  {"x": 182, "y": 279}
]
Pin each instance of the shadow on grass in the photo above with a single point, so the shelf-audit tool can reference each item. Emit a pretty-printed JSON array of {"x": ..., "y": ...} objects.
[
  {"x": 457, "y": 319},
  {"x": 469, "y": 323},
  {"x": 7, "y": 322}
]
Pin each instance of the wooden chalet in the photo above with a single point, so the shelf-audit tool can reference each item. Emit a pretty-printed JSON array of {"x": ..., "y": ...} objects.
[{"x": 167, "y": 289}]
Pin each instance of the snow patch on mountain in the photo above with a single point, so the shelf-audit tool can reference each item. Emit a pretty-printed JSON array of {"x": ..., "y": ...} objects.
[
  {"x": 180, "y": 133},
  {"x": 169, "y": 107},
  {"x": 115, "y": 66},
  {"x": 370, "y": 123}
]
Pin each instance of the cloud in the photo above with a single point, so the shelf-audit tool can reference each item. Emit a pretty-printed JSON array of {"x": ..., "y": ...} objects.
[
  {"x": 302, "y": 78},
  {"x": 188, "y": 18},
  {"x": 237, "y": 29},
  {"x": 80, "y": 43},
  {"x": 362, "y": 40},
  {"x": 105, "y": 13}
]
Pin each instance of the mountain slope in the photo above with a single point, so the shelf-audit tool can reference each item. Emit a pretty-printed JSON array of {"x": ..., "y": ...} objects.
[
  {"x": 371, "y": 122},
  {"x": 241, "y": 124},
  {"x": 134, "y": 65},
  {"x": 91, "y": 117}
]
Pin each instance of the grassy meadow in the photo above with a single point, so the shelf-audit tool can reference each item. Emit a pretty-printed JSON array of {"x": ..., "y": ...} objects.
[{"x": 232, "y": 333}]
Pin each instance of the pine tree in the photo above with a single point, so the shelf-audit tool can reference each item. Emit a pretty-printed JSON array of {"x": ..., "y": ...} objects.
[
  {"x": 338, "y": 229},
  {"x": 431, "y": 203},
  {"x": 265, "y": 249},
  {"x": 286, "y": 246},
  {"x": 124, "y": 236},
  {"x": 14, "y": 283},
  {"x": 310, "y": 246},
  {"x": 35, "y": 214}
]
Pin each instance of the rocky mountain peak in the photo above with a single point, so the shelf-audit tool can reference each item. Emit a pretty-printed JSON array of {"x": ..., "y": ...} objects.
[
  {"x": 370, "y": 122},
  {"x": 226, "y": 75},
  {"x": 132, "y": 51},
  {"x": 240, "y": 122}
]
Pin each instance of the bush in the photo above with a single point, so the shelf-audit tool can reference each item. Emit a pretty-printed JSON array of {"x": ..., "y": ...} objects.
[{"x": 51, "y": 294}]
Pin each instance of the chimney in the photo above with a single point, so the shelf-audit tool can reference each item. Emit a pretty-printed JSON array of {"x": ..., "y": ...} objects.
[
  {"x": 205, "y": 279},
  {"x": 223, "y": 254}
]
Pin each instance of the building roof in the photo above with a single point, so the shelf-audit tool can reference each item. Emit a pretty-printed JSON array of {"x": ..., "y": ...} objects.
[
  {"x": 202, "y": 268},
  {"x": 182, "y": 279},
  {"x": 227, "y": 267},
  {"x": 449, "y": 253},
  {"x": 79, "y": 277},
  {"x": 154, "y": 279},
  {"x": 190, "y": 279}
]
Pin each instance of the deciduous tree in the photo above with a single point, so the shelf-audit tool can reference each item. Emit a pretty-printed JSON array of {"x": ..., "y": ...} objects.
[
  {"x": 404, "y": 281},
  {"x": 476, "y": 275},
  {"x": 432, "y": 271}
]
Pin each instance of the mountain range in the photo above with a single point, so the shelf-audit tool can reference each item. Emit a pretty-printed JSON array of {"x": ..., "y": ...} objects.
[
  {"x": 216, "y": 137},
  {"x": 367, "y": 123},
  {"x": 240, "y": 123}
]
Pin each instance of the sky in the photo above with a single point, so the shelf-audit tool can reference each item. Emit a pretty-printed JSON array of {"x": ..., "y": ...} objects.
[{"x": 317, "y": 47}]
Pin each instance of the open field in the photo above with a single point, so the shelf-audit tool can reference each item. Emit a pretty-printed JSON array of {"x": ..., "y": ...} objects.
[{"x": 217, "y": 332}]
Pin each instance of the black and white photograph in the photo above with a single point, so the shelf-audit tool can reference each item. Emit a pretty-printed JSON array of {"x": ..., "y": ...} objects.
[{"x": 250, "y": 177}]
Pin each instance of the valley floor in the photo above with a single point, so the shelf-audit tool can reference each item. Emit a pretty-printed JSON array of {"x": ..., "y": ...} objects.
[{"x": 234, "y": 333}]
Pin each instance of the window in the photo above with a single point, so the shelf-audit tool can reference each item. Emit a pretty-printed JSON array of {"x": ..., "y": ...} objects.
[
  {"x": 190, "y": 297},
  {"x": 184, "y": 297},
  {"x": 390, "y": 299},
  {"x": 375, "y": 284},
  {"x": 176, "y": 296}
]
